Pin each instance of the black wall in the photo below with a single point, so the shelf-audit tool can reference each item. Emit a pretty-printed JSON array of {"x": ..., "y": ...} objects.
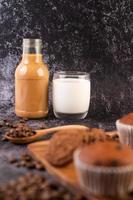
[{"x": 88, "y": 35}]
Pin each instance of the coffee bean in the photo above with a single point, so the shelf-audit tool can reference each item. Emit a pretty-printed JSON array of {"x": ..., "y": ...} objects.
[
  {"x": 20, "y": 130},
  {"x": 13, "y": 160},
  {"x": 25, "y": 160},
  {"x": 34, "y": 132},
  {"x": 7, "y": 124},
  {"x": 12, "y": 184},
  {"x": 22, "y": 163},
  {"x": 17, "y": 164},
  {"x": 30, "y": 165},
  {"x": 35, "y": 186},
  {"x": 26, "y": 157},
  {"x": 39, "y": 166},
  {"x": 5, "y": 120}
]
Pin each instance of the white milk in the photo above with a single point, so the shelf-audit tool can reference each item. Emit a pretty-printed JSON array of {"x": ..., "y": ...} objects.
[{"x": 71, "y": 95}]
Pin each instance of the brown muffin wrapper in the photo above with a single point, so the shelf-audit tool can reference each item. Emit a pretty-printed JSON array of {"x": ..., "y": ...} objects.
[
  {"x": 125, "y": 133},
  {"x": 104, "y": 181}
]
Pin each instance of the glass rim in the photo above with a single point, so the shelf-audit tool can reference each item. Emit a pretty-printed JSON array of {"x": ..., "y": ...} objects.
[{"x": 72, "y": 73}]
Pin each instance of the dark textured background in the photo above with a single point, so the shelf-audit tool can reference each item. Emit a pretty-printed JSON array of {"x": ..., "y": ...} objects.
[
  {"x": 87, "y": 35},
  {"x": 93, "y": 36}
]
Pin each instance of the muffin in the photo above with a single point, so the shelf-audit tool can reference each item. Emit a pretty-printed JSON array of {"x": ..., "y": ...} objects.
[
  {"x": 125, "y": 129},
  {"x": 105, "y": 168},
  {"x": 65, "y": 142}
]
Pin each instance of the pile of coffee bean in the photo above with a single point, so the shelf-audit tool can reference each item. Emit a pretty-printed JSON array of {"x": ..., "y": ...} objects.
[
  {"x": 26, "y": 160},
  {"x": 20, "y": 130},
  {"x": 35, "y": 187}
]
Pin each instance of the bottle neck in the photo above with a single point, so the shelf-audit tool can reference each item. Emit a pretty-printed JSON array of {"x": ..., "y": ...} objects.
[
  {"x": 32, "y": 58},
  {"x": 32, "y": 51}
]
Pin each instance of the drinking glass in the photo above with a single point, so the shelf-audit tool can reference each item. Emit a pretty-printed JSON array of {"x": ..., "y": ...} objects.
[{"x": 71, "y": 94}]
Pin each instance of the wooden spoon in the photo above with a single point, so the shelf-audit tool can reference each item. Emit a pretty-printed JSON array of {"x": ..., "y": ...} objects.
[{"x": 43, "y": 132}]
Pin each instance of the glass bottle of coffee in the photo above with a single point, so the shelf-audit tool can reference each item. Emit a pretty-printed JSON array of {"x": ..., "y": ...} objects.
[{"x": 31, "y": 82}]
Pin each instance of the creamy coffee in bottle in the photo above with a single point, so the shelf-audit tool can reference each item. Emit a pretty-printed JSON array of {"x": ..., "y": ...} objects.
[{"x": 31, "y": 82}]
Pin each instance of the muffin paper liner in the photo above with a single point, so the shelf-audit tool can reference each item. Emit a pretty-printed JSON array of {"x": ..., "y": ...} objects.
[
  {"x": 104, "y": 181},
  {"x": 125, "y": 133}
]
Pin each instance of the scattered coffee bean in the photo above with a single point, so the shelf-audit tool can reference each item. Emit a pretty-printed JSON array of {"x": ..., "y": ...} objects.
[
  {"x": 25, "y": 160},
  {"x": 17, "y": 164},
  {"x": 13, "y": 160},
  {"x": 30, "y": 165},
  {"x": 36, "y": 187},
  {"x": 38, "y": 166},
  {"x": 8, "y": 123},
  {"x": 5, "y": 123},
  {"x": 23, "y": 163}
]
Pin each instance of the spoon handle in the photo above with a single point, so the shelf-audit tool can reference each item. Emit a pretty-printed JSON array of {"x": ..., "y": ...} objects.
[{"x": 58, "y": 128}]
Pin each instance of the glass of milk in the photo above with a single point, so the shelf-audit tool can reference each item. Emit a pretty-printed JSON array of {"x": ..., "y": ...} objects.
[{"x": 71, "y": 94}]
